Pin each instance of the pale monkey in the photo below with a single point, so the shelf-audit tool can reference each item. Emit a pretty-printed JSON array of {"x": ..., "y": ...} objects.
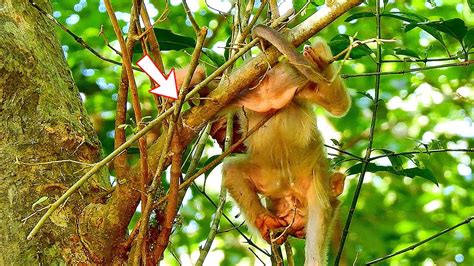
[{"x": 285, "y": 160}]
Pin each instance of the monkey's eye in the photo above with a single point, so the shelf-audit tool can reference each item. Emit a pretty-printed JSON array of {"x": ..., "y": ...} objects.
[{"x": 306, "y": 47}]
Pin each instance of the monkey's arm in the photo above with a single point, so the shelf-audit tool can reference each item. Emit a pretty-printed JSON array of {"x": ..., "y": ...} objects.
[{"x": 238, "y": 174}]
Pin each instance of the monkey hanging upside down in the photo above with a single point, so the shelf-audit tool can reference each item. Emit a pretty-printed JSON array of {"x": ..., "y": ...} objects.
[{"x": 285, "y": 160}]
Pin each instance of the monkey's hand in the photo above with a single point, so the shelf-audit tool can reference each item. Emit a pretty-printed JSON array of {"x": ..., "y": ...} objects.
[{"x": 266, "y": 222}]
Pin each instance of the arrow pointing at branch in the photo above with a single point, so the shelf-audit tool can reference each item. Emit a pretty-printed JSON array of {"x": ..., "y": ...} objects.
[{"x": 166, "y": 85}]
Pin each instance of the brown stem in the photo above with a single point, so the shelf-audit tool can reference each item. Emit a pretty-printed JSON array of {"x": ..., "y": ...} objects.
[
  {"x": 169, "y": 135},
  {"x": 172, "y": 205}
]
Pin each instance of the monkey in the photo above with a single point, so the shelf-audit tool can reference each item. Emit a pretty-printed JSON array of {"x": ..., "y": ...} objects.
[{"x": 285, "y": 161}]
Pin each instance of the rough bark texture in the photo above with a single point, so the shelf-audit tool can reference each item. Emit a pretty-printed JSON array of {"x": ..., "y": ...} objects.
[{"x": 42, "y": 120}]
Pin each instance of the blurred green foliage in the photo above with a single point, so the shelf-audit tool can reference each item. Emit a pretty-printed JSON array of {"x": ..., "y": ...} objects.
[{"x": 427, "y": 109}]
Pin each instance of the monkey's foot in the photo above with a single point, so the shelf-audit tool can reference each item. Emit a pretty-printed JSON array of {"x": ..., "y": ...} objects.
[{"x": 318, "y": 55}]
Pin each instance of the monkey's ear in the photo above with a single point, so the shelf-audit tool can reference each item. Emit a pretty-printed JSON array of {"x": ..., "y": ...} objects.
[
  {"x": 274, "y": 91},
  {"x": 337, "y": 183}
]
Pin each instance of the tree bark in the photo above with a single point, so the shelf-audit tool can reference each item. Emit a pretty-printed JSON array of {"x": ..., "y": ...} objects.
[{"x": 44, "y": 128}]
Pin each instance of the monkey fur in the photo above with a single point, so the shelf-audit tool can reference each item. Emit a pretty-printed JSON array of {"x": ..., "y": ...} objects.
[{"x": 285, "y": 160}]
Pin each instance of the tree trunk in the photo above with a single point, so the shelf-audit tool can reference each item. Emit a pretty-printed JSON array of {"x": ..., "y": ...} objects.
[{"x": 46, "y": 141}]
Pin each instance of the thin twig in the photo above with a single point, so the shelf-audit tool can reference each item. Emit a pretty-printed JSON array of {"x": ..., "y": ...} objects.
[
  {"x": 222, "y": 196},
  {"x": 290, "y": 258},
  {"x": 248, "y": 13},
  {"x": 127, "y": 65},
  {"x": 135, "y": 137},
  {"x": 420, "y": 60},
  {"x": 151, "y": 38},
  {"x": 357, "y": 43},
  {"x": 146, "y": 20},
  {"x": 121, "y": 165},
  {"x": 196, "y": 156},
  {"x": 249, "y": 27},
  {"x": 78, "y": 39},
  {"x": 231, "y": 228},
  {"x": 418, "y": 152},
  {"x": 220, "y": 157},
  {"x": 95, "y": 169},
  {"x": 190, "y": 16},
  {"x": 302, "y": 31},
  {"x": 53, "y": 162},
  {"x": 378, "y": 73},
  {"x": 172, "y": 204},
  {"x": 153, "y": 47},
  {"x": 33, "y": 214},
  {"x": 365, "y": 164},
  {"x": 276, "y": 253},
  {"x": 412, "y": 247},
  {"x": 101, "y": 33},
  {"x": 222, "y": 13},
  {"x": 256, "y": 256},
  {"x": 247, "y": 239},
  {"x": 282, "y": 234},
  {"x": 344, "y": 152},
  {"x": 169, "y": 135}
]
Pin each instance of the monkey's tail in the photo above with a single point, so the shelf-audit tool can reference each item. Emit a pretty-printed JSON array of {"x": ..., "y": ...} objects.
[{"x": 318, "y": 224}]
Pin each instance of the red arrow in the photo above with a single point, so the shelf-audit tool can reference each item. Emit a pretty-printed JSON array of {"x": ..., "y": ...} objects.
[{"x": 166, "y": 85}]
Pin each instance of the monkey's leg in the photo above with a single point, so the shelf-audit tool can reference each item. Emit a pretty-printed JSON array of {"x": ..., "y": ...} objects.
[{"x": 239, "y": 173}]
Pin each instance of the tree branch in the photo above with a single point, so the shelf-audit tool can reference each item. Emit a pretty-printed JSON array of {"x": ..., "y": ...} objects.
[
  {"x": 412, "y": 247},
  {"x": 378, "y": 73},
  {"x": 365, "y": 164},
  {"x": 418, "y": 152},
  {"x": 239, "y": 80}
]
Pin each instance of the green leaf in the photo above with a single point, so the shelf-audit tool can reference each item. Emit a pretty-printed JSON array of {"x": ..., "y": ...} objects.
[
  {"x": 469, "y": 39},
  {"x": 421, "y": 172},
  {"x": 406, "y": 52},
  {"x": 431, "y": 31},
  {"x": 335, "y": 142},
  {"x": 405, "y": 16},
  {"x": 208, "y": 161},
  {"x": 431, "y": 2},
  {"x": 414, "y": 21},
  {"x": 298, "y": 4},
  {"x": 409, "y": 172},
  {"x": 340, "y": 42},
  {"x": 366, "y": 94},
  {"x": 454, "y": 27},
  {"x": 470, "y": 3},
  {"x": 359, "y": 15},
  {"x": 216, "y": 58},
  {"x": 133, "y": 150},
  {"x": 169, "y": 41},
  {"x": 227, "y": 50},
  {"x": 39, "y": 201},
  {"x": 396, "y": 161},
  {"x": 134, "y": 220},
  {"x": 337, "y": 161}
]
